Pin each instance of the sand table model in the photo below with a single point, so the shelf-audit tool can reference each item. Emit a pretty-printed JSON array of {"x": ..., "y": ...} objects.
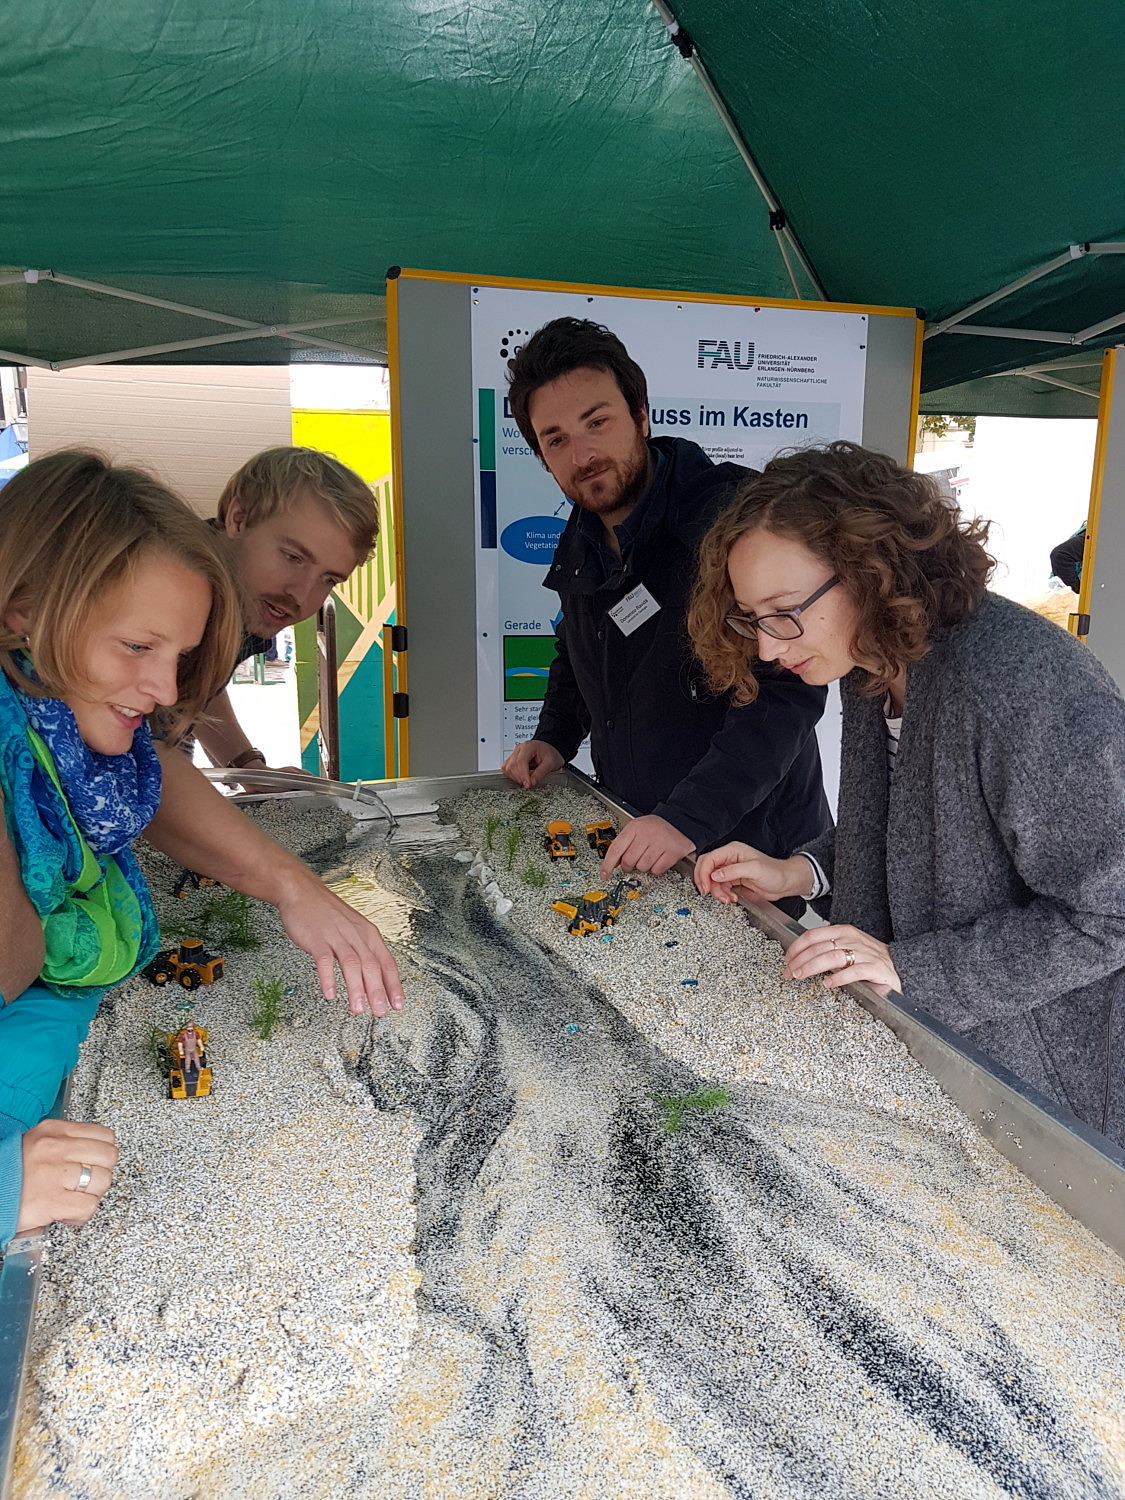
[{"x": 618, "y": 1215}]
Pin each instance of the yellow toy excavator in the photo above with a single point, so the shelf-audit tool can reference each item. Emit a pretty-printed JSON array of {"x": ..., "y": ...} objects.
[{"x": 596, "y": 909}]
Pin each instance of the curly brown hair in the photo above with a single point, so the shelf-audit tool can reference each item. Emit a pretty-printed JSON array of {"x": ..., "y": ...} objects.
[{"x": 908, "y": 559}]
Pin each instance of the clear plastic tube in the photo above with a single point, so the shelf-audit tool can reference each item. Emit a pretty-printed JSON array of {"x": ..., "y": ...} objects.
[{"x": 282, "y": 783}]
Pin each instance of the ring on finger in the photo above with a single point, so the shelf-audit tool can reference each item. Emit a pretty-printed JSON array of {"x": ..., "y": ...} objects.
[
  {"x": 84, "y": 1177},
  {"x": 849, "y": 957}
]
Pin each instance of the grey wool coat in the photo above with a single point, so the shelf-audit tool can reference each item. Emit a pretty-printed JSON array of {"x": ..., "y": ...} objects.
[{"x": 994, "y": 862}]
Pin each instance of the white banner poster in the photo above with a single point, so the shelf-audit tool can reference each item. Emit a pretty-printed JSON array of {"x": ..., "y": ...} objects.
[{"x": 741, "y": 381}]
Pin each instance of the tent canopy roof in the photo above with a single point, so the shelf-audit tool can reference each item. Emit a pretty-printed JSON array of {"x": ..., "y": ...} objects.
[
  {"x": 269, "y": 162},
  {"x": 1066, "y": 387}
]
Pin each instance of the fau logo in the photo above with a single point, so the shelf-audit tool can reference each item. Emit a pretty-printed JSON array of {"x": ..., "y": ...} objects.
[{"x": 726, "y": 354}]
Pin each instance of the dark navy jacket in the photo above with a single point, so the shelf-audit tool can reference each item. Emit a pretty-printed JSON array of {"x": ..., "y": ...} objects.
[{"x": 661, "y": 740}]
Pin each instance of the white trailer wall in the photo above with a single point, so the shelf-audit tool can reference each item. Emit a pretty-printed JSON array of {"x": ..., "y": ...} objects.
[{"x": 192, "y": 425}]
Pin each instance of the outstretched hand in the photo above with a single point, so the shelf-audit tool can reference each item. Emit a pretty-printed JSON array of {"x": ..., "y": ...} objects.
[
  {"x": 200, "y": 829},
  {"x": 724, "y": 872},
  {"x": 649, "y": 844},
  {"x": 841, "y": 955},
  {"x": 338, "y": 937}
]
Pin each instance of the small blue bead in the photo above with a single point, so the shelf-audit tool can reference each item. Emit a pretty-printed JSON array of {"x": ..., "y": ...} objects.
[
  {"x": 683, "y": 911},
  {"x": 572, "y": 1028},
  {"x": 690, "y": 982}
]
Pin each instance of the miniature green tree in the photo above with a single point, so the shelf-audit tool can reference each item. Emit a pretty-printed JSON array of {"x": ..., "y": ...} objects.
[
  {"x": 512, "y": 843},
  {"x": 160, "y": 1051},
  {"x": 231, "y": 915},
  {"x": 267, "y": 1007},
  {"x": 491, "y": 824},
  {"x": 673, "y": 1108},
  {"x": 530, "y": 807},
  {"x": 532, "y": 875},
  {"x": 226, "y": 921}
]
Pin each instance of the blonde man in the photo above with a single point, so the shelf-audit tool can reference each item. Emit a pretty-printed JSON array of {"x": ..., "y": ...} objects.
[{"x": 300, "y": 523}]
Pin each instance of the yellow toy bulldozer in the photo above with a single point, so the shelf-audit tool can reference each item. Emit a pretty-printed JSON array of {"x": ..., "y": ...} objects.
[
  {"x": 190, "y": 965},
  {"x": 596, "y": 909},
  {"x": 558, "y": 841}
]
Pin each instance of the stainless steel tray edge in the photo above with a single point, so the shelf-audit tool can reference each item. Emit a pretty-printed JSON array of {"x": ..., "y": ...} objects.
[{"x": 20, "y": 1269}]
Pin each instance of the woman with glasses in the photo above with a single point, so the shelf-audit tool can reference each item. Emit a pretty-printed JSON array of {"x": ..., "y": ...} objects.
[{"x": 978, "y": 862}]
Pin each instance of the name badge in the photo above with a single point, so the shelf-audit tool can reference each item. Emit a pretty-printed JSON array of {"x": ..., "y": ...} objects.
[{"x": 630, "y": 613}]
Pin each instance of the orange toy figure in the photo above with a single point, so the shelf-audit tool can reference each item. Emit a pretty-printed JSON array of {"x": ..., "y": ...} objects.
[{"x": 190, "y": 1077}]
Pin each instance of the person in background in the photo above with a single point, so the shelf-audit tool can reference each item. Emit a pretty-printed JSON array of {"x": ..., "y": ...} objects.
[
  {"x": 698, "y": 766},
  {"x": 299, "y": 523},
  {"x": 978, "y": 862},
  {"x": 1066, "y": 559}
]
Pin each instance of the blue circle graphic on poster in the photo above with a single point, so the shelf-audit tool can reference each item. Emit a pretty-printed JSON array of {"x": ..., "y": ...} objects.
[{"x": 532, "y": 539}]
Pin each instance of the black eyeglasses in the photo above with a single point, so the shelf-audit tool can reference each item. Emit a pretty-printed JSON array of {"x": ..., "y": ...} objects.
[{"x": 783, "y": 626}]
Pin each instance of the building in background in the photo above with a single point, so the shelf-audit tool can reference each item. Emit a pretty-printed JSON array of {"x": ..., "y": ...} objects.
[{"x": 192, "y": 425}]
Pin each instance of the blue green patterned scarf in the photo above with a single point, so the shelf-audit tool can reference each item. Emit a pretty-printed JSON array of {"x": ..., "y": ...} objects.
[{"x": 98, "y": 923}]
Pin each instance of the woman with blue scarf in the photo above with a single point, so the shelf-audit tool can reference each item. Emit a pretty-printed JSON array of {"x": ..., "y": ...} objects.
[
  {"x": 115, "y": 600},
  {"x": 113, "y": 591}
]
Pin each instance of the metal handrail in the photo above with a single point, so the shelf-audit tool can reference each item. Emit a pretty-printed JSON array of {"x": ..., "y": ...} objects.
[{"x": 328, "y": 691}]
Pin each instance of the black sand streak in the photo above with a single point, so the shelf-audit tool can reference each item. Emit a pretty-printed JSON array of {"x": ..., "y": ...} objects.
[
  {"x": 680, "y": 1274},
  {"x": 989, "y": 1407}
]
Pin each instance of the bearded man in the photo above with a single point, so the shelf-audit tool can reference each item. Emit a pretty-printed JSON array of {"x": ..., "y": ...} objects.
[{"x": 700, "y": 768}]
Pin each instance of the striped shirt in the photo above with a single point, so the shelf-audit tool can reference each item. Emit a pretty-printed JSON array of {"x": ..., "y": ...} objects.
[{"x": 894, "y": 731}]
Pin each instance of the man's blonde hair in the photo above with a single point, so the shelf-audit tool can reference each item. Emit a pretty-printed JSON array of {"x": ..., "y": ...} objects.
[
  {"x": 72, "y": 529},
  {"x": 271, "y": 481}
]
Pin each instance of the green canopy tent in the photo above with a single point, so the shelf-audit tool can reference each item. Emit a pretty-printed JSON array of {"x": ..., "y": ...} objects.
[
  {"x": 238, "y": 171},
  {"x": 1066, "y": 387}
]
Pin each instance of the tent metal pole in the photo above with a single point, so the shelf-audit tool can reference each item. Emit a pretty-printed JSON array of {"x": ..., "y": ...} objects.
[
  {"x": 1095, "y": 328},
  {"x": 1034, "y": 335},
  {"x": 27, "y": 359},
  {"x": 1040, "y": 335},
  {"x": 255, "y": 331},
  {"x": 1052, "y": 364},
  {"x": 744, "y": 151},
  {"x": 788, "y": 267},
  {"x": 365, "y": 356},
  {"x": 1075, "y": 252},
  {"x": 32, "y": 277},
  {"x": 1065, "y": 385},
  {"x": 115, "y": 291}
]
